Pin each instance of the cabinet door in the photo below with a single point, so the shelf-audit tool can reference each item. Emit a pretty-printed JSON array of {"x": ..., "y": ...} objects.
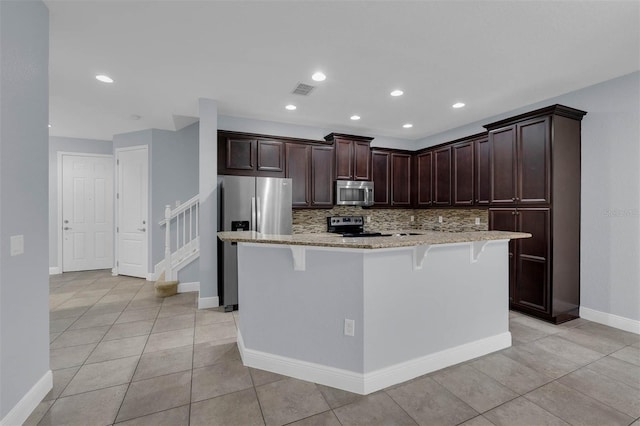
[
  {"x": 534, "y": 161},
  {"x": 322, "y": 176},
  {"x": 442, "y": 176},
  {"x": 503, "y": 165},
  {"x": 239, "y": 154},
  {"x": 400, "y": 179},
  {"x": 463, "y": 160},
  {"x": 532, "y": 258},
  {"x": 424, "y": 179},
  {"x": 299, "y": 170},
  {"x": 482, "y": 175},
  {"x": 506, "y": 220},
  {"x": 361, "y": 161},
  {"x": 380, "y": 169},
  {"x": 344, "y": 159},
  {"x": 270, "y": 156}
]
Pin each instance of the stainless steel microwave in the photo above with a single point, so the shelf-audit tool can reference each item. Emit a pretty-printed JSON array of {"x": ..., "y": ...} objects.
[{"x": 354, "y": 193}]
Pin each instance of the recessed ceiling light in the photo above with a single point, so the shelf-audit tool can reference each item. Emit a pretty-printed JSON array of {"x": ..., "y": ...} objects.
[
  {"x": 397, "y": 92},
  {"x": 407, "y": 125},
  {"x": 291, "y": 107},
  {"x": 355, "y": 117},
  {"x": 318, "y": 76},
  {"x": 104, "y": 78},
  {"x": 458, "y": 105}
]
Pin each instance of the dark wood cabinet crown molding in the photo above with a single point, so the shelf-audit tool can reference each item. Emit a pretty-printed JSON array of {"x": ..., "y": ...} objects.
[
  {"x": 333, "y": 136},
  {"x": 557, "y": 109}
]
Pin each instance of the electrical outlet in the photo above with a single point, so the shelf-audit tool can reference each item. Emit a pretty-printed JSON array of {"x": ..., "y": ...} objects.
[
  {"x": 439, "y": 219},
  {"x": 412, "y": 219},
  {"x": 349, "y": 327},
  {"x": 477, "y": 221},
  {"x": 368, "y": 219},
  {"x": 17, "y": 245},
  {"x": 177, "y": 203}
]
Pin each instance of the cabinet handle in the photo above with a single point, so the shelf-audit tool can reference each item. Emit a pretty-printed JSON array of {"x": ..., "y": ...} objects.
[
  {"x": 517, "y": 198},
  {"x": 513, "y": 213},
  {"x": 513, "y": 199}
]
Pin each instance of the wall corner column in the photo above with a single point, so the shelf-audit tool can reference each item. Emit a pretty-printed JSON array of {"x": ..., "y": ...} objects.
[{"x": 208, "y": 189}]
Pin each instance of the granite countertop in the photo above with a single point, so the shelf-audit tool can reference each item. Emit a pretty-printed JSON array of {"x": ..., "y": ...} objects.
[{"x": 335, "y": 240}]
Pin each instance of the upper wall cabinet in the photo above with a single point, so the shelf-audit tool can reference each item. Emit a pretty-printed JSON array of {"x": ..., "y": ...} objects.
[
  {"x": 482, "y": 171},
  {"x": 381, "y": 176},
  {"x": 442, "y": 176},
  {"x": 353, "y": 157},
  {"x": 249, "y": 155},
  {"x": 463, "y": 176},
  {"x": 424, "y": 178},
  {"x": 520, "y": 166},
  {"x": 392, "y": 176}
]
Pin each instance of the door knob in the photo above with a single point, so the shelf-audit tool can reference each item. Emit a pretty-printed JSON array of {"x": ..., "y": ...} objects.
[
  {"x": 66, "y": 228},
  {"x": 142, "y": 229}
]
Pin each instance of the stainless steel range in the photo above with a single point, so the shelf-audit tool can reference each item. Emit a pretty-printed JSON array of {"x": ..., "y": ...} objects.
[{"x": 350, "y": 226}]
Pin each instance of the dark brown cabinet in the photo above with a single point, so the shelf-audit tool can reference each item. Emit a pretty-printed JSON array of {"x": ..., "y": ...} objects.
[
  {"x": 380, "y": 173},
  {"x": 401, "y": 179},
  {"x": 535, "y": 166},
  {"x": 310, "y": 168},
  {"x": 299, "y": 170},
  {"x": 528, "y": 257},
  {"x": 352, "y": 156},
  {"x": 322, "y": 176},
  {"x": 392, "y": 178},
  {"x": 482, "y": 171},
  {"x": 423, "y": 179},
  {"x": 442, "y": 176},
  {"x": 520, "y": 166},
  {"x": 250, "y": 155},
  {"x": 463, "y": 176}
]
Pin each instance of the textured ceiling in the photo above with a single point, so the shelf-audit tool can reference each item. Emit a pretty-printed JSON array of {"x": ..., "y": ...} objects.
[{"x": 163, "y": 55}]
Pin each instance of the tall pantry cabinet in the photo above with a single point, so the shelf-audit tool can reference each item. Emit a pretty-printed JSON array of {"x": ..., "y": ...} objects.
[{"x": 535, "y": 188}]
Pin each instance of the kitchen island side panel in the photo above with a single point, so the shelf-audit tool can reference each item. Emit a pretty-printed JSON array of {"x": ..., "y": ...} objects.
[
  {"x": 300, "y": 314},
  {"x": 450, "y": 301}
]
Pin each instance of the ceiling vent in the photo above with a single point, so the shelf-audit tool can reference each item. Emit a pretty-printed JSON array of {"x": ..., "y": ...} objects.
[{"x": 303, "y": 89}]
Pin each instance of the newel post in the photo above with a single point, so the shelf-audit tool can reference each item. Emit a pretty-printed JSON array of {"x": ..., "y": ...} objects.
[{"x": 167, "y": 243}]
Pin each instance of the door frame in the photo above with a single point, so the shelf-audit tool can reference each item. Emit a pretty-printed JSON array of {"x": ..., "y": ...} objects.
[
  {"x": 116, "y": 207},
  {"x": 60, "y": 154}
]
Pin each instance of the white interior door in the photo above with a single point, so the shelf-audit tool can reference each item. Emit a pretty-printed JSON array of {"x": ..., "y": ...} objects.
[
  {"x": 133, "y": 220},
  {"x": 87, "y": 212}
]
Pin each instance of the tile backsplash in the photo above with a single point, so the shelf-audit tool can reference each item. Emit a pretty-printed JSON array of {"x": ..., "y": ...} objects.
[{"x": 453, "y": 220}]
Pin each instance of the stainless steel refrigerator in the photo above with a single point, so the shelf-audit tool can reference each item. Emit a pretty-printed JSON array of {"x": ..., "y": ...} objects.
[{"x": 247, "y": 203}]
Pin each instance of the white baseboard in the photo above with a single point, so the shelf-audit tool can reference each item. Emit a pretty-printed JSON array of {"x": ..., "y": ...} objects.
[
  {"x": 367, "y": 383},
  {"x": 23, "y": 409},
  {"x": 55, "y": 270},
  {"x": 622, "y": 323},
  {"x": 187, "y": 287},
  {"x": 208, "y": 302}
]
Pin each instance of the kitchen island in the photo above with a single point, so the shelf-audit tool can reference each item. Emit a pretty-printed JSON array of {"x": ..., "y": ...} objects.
[{"x": 361, "y": 314}]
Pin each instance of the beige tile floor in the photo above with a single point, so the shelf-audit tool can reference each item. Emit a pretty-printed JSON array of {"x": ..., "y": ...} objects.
[{"x": 120, "y": 355}]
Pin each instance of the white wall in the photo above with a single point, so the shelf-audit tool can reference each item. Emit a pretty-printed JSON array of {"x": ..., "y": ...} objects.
[
  {"x": 25, "y": 377},
  {"x": 610, "y": 222},
  {"x": 61, "y": 144}
]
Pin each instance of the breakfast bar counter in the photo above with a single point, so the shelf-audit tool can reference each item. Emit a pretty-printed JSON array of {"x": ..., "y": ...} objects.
[{"x": 361, "y": 314}]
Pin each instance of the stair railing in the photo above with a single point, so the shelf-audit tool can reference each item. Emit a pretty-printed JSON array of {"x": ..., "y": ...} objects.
[{"x": 187, "y": 238}]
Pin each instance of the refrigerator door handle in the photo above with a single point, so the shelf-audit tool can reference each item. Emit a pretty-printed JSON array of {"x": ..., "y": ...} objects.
[
  {"x": 258, "y": 214},
  {"x": 253, "y": 214}
]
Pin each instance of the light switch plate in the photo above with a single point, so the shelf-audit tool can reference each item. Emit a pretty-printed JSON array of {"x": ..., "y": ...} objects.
[
  {"x": 349, "y": 327},
  {"x": 477, "y": 221},
  {"x": 17, "y": 245}
]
